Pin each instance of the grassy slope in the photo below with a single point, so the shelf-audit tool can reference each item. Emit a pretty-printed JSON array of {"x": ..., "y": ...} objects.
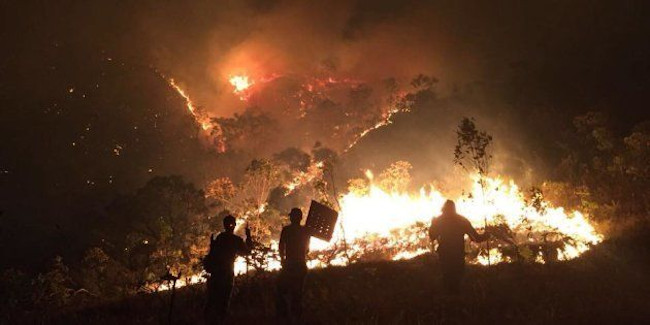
[{"x": 602, "y": 287}]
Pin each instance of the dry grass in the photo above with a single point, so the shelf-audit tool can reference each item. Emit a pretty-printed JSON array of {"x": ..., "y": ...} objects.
[{"x": 604, "y": 286}]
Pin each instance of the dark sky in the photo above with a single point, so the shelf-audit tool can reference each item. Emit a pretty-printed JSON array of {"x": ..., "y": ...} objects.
[{"x": 86, "y": 114}]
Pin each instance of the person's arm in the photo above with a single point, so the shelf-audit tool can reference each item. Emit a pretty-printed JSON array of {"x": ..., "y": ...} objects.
[
  {"x": 474, "y": 235},
  {"x": 249, "y": 238},
  {"x": 282, "y": 246},
  {"x": 245, "y": 248},
  {"x": 212, "y": 240},
  {"x": 434, "y": 230}
]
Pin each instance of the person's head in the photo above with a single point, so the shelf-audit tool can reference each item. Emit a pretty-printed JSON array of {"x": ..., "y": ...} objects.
[
  {"x": 295, "y": 216},
  {"x": 229, "y": 223},
  {"x": 449, "y": 207}
]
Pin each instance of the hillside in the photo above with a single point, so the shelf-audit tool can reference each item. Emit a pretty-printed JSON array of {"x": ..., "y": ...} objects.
[{"x": 608, "y": 285}]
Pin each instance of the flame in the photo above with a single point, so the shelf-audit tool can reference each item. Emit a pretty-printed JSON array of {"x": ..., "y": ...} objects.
[
  {"x": 379, "y": 216},
  {"x": 201, "y": 119},
  {"x": 241, "y": 84},
  {"x": 312, "y": 90},
  {"x": 194, "y": 279},
  {"x": 386, "y": 119},
  {"x": 382, "y": 221},
  {"x": 394, "y": 224}
]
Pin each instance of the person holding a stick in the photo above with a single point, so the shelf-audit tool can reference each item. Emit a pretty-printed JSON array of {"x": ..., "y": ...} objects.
[
  {"x": 294, "y": 246},
  {"x": 220, "y": 263},
  {"x": 449, "y": 229}
]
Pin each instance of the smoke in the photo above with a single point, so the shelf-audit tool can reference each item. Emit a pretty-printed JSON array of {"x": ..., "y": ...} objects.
[
  {"x": 365, "y": 41},
  {"x": 499, "y": 62}
]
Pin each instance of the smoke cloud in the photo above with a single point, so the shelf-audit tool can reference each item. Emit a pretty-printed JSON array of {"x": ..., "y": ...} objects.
[{"x": 501, "y": 62}]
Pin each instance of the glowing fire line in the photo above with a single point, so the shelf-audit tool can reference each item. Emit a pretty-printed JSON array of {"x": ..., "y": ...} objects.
[
  {"x": 202, "y": 120},
  {"x": 380, "y": 220},
  {"x": 386, "y": 120}
]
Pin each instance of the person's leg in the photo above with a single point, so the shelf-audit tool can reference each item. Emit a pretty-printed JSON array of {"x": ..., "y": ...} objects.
[
  {"x": 457, "y": 268},
  {"x": 209, "y": 309},
  {"x": 448, "y": 281},
  {"x": 281, "y": 294},
  {"x": 461, "y": 272},
  {"x": 222, "y": 296},
  {"x": 452, "y": 267},
  {"x": 299, "y": 282},
  {"x": 447, "y": 273}
]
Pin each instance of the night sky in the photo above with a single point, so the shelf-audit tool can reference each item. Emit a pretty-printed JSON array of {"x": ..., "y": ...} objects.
[{"x": 88, "y": 114}]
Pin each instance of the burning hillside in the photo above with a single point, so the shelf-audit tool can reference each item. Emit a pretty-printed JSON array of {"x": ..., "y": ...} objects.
[
  {"x": 383, "y": 217},
  {"x": 134, "y": 134},
  {"x": 298, "y": 110}
]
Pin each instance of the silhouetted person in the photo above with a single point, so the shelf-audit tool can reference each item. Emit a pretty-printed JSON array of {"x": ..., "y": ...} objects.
[
  {"x": 449, "y": 229},
  {"x": 294, "y": 246},
  {"x": 220, "y": 264}
]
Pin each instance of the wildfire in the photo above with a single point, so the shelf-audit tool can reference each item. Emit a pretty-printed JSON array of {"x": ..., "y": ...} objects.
[
  {"x": 376, "y": 222},
  {"x": 241, "y": 84}
]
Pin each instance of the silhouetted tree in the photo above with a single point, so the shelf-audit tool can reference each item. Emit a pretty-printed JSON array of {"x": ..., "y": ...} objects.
[
  {"x": 294, "y": 159},
  {"x": 396, "y": 177},
  {"x": 609, "y": 172},
  {"x": 472, "y": 153},
  {"x": 103, "y": 276},
  {"x": 53, "y": 289},
  {"x": 162, "y": 226}
]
